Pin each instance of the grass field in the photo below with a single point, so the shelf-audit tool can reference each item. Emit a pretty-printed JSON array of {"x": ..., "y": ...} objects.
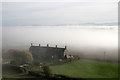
[
  {"x": 79, "y": 68},
  {"x": 87, "y": 69}
]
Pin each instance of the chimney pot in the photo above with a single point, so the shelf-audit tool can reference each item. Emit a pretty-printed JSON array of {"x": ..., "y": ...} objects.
[
  {"x": 65, "y": 47},
  {"x": 47, "y": 45},
  {"x": 56, "y": 46},
  {"x": 31, "y": 44}
]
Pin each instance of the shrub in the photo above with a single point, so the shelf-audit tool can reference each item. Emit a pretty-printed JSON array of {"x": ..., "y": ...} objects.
[
  {"x": 36, "y": 73},
  {"x": 46, "y": 70},
  {"x": 24, "y": 69}
]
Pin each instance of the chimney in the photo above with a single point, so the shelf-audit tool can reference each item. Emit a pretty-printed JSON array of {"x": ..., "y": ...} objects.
[
  {"x": 65, "y": 47},
  {"x": 56, "y": 46},
  {"x": 31, "y": 44},
  {"x": 47, "y": 45},
  {"x": 39, "y": 45}
]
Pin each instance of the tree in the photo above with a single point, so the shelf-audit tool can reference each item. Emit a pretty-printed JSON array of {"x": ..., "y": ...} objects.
[{"x": 22, "y": 57}]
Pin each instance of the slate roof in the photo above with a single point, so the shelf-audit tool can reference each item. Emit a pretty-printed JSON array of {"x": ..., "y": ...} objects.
[{"x": 42, "y": 51}]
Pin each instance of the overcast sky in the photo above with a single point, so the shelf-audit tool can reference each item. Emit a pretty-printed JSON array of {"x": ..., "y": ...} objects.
[{"x": 59, "y": 13}]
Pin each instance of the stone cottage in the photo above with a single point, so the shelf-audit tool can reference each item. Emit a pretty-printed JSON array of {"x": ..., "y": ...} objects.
[{"x": 47, "y": 52}]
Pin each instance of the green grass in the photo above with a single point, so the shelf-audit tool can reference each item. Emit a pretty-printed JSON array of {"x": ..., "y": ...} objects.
[
  {"x": 9, "y": 72},
  {"x": 87, "y": 69},
  {"x": 6, "y": 60},
  {"x": 80, "y": 68}
]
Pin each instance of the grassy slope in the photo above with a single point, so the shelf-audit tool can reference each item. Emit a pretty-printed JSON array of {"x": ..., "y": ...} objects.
[
  {"x": 87, "y": 69},
  {"x": 9, "y": 72},
  {"x": 80, "y": 68}
]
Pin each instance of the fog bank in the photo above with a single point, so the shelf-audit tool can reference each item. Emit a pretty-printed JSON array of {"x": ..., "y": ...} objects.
[{"x": 86, "y": 41}]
